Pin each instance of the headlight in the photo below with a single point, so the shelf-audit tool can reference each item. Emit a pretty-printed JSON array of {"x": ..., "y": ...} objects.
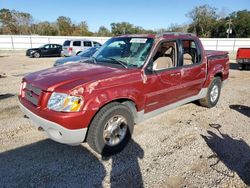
[{"x": 65, "y": 103}]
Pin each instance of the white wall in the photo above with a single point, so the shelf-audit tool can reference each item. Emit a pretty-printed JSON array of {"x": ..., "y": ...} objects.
[
  {"x": 19, "y": 42},
  {"x": 231, "y": 44}
]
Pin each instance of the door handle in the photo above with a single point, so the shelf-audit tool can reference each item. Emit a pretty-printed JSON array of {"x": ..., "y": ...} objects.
[{"x": 175, "y": 74}]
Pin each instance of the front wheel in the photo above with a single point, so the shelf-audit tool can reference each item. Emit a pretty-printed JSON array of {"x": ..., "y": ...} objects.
[
  {"x": 36, "y": 55},
  {"x": 111, "y": 129},
  {"x": 213, "y": 93}
]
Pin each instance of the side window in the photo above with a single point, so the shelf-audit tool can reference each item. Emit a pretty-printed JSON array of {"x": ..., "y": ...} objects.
[
  {"x": 77, "y": 43},
  {"x": 87, "y": 44},
  {"x": 47, "y": 46},
  {"x": 96, "y": 44},
  {"x": 166, "y": 56},
  {"x": 191, "y": 53}
]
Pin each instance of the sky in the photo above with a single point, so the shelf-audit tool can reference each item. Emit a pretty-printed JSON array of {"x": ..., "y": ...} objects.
[{"x": 149, "y": 14}]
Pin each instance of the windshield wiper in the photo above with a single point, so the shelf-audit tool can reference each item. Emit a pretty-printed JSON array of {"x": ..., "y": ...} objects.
[{"x": 118, "y": 61}]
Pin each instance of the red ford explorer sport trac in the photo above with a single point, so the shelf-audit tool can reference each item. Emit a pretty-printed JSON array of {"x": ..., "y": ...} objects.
[{"x": 129, "y": 79}]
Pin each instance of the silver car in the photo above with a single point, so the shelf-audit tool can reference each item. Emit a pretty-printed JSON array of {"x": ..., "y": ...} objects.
[
  {"x": 86, "y": 54},
  {"x": 76, "y": 46}
]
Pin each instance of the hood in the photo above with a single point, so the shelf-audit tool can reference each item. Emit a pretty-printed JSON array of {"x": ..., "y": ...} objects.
[
  {"x": 33, "y": 49},
  {"x": 67, "y": 59},
  {"x": 51, "y": 78}
]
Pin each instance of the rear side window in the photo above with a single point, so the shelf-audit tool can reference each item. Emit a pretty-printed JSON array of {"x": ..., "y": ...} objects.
[
  {"x": 96, "y": 44},
  {"x": 191, "y": 52},
  {"x": 77, "y": 43},
  {"x": 66, "y": 43},
  {"x": 87, "y": 43}
]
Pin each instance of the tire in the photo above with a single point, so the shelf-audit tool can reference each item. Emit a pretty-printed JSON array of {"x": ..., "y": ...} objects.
[
  {"x": 78, "y": 52},
  {"x": 213, "y": 93},
  {"x": 243, "y": 66},
  {"x": 36, "y": 55},
  {"x": 104, "y": 136}
]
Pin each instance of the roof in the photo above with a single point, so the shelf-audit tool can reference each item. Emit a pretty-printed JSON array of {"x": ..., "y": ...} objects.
[
  {"x": 139, "y": 35},
  {"x": 163, "y": 35}
]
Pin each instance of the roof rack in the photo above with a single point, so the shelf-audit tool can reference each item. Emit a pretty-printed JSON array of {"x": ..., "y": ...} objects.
[{"x": 177, "y": 34}]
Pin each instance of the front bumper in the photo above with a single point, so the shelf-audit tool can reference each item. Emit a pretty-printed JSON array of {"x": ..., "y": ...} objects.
[{"x": 55, "y": 131}]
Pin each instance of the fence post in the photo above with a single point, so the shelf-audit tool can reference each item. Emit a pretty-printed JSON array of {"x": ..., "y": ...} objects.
[
  {"x": 30, "y": 42},
  {"x": 217, "y": 44},
  {"x": 234, "y": 44},
  {"x": 12, "y": 43}
]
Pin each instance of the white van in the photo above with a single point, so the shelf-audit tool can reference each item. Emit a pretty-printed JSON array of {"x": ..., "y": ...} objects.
[{"x": 76, "y": 46}]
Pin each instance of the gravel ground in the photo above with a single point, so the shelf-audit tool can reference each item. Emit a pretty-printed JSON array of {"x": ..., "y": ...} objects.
[{"x": 189, "y": 146}]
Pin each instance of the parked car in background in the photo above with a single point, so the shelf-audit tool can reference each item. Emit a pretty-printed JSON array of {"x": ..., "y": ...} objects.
[
  {"x": 243, "y": 57},
  {"x": 74, "y": 46},
  {"x": 47, "y": 50},
  {"x": 77, "y": 58},
  {"x": 128, "y": 80}
]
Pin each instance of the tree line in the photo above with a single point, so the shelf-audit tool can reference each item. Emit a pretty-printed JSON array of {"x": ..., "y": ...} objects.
[{"x": 205, "y": 22}]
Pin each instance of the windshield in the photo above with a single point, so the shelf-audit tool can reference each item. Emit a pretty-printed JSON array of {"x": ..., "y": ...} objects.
[
  {"x": 42, "y": 46},
  {"x": 88, "y": 52},
  {"x": 130, "y": 51}
]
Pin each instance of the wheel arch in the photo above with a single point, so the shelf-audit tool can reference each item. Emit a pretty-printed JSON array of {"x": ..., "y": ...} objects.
[
  {"x": 220, "y": 75},
  {"x": 126, "y": 101}
]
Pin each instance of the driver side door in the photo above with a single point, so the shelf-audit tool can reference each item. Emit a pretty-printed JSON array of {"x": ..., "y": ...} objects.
[
  {"x": 45, "y": 50},
  {"x": 163, "y": 85}
]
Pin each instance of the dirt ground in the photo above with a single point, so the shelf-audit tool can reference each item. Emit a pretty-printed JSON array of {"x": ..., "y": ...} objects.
[{"x": 189, "y": 146}]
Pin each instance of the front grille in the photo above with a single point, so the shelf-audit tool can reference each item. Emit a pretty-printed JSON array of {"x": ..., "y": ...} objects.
[{"x": 32, "y": 94}]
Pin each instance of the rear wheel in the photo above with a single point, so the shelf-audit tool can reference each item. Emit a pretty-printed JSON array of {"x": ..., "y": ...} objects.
[
  {"x": 213, "y": 93},
  {"x": 111, "y": 129},
  {"x": 242, "y": 66}
]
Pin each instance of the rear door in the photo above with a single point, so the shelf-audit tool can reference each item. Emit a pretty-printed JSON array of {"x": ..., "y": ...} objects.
[
  {"x": 54, "y": 50},
  {"x": 163, "y": 85},
  {"x": 193, "y": 68},
  {"x": 77, "y": 46},
  {"x": 87, "y": 44}
]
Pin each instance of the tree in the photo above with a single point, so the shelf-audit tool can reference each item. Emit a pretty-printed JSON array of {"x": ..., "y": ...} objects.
[
  {"x": 64, "y": 25},
  {"x": 7, "y": 22},
  {"x": 45, "y": 28},
  {"x": 203, "y": 20},
  {"x": 241, "y": 23},
  {"x": 177, "y": 28},
  {"x": 14, "y": 22},
  {"x": 81, "y": 29},
  {"x": 103, "y": 32},
  {"x": 23, "y": 21},
  {"x": 220, "y": 29},
  {"x": 121, "y": 28}
]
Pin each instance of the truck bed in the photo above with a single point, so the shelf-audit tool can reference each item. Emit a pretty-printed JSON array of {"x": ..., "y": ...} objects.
[{"x": 210, "y": 53}]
